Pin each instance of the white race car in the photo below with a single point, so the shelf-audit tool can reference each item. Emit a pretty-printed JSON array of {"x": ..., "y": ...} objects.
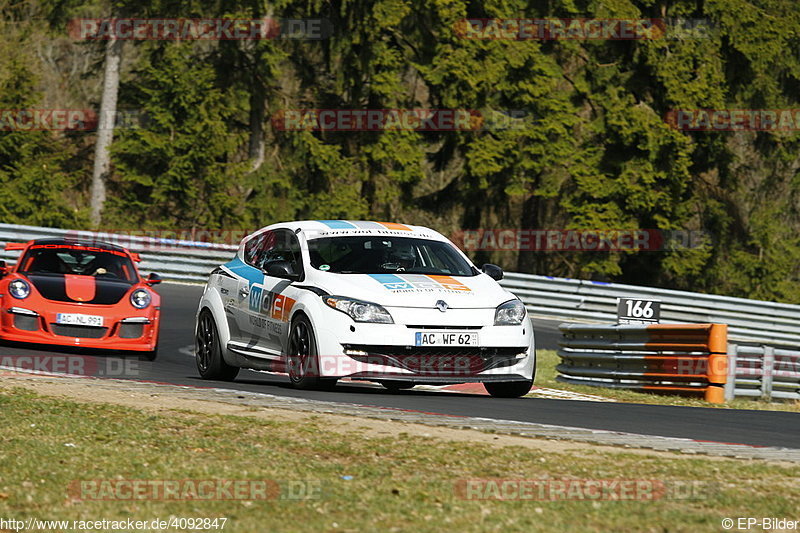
[{"x": 395, "y": 304}]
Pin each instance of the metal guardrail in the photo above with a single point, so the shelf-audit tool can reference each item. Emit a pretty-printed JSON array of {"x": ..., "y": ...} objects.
[
  {"x": 177, "y": 260},
  {"x": 604, "y": 354},
  {"x": 594, "y": 301},
  {"x": 544, "y": 296},
  {"x": 682, "y": 358},
  {"x": 763, "y": 372}
]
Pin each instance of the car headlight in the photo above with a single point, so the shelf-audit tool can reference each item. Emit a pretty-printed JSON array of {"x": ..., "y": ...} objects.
[
  {"x": 511, "y": 313},
  {"x": 358, "y": 310},
  {"x": 140, "y": 298},
  {"x": 19, "y": 289}
]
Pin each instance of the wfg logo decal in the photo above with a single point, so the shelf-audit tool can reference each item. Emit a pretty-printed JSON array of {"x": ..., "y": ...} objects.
[
  {"x": 277, "y": 306},
  {"x": 419, "y": 283}
]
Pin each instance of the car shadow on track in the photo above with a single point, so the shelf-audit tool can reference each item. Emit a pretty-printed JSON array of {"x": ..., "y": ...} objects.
[
  {"x": 282, "y": 383},
  {"x": 55, "y": 349}
]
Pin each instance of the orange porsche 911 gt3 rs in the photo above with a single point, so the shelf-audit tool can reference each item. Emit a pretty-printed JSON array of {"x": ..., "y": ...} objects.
[{"x": 77, "y": 293}]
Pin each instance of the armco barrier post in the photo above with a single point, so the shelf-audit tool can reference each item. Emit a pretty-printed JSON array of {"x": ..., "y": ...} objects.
[
  {"x": 767, "y": 370},
  {"x": 730, "y": 385},
  {"x": 717, "y": 363}
]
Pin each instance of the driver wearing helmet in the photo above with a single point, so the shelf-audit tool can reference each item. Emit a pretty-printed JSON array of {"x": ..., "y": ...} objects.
[{"x": 403, "y": 255}]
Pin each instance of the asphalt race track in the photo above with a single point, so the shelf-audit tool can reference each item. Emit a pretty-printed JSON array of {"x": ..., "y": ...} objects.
[{"x": 175, "y": 365}]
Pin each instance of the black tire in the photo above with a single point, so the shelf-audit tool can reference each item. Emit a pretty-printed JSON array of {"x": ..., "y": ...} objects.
[
  {"x": 395, "y": 386},
  {"x": 508, "y": 389},
  {"x": 149, "y": 356},
  {"x": 208, "y": 352},
  {"x": 302, "y": 359}
]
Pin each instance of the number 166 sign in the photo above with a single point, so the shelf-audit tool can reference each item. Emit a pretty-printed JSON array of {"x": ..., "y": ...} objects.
[{"x": 637, "y": 311}]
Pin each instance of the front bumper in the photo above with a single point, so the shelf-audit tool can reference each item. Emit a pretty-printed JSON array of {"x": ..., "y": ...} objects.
[
  {"x": 120, "y": 331},
  {"x": 388, "y": 351}
]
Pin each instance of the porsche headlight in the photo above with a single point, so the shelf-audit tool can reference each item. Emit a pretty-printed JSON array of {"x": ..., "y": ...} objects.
[
  {"x": 19, "y": 289},
  {"x": 358, "y": 310},
  {"x": 511, "y": 313},
  {"x": 140, "y": 298}
]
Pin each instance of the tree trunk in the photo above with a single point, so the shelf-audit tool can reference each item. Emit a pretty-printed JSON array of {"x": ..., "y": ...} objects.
[
  {"x": 532, "y": 261},
  {"x": 257, "y": 111},
  {"x": 105, "y": 130},
  {"x": 258, "y": 104}
]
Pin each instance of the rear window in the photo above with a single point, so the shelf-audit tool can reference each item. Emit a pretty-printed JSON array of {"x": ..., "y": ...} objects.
[{"x": 78, "y": 261}]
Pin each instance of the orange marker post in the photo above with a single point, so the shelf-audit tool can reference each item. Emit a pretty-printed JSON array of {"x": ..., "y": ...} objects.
[{"x": 717, "y": 363}]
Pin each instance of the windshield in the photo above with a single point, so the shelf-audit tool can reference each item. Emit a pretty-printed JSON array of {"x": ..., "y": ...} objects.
[
  {"x": 79, "y": 261},
  {"x": 380, "y": 255}
]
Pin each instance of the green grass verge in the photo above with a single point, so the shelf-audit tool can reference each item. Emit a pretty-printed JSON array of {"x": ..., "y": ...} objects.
[
  {"x": 546, "y": 361},
  {"x": 399, "y": 483}
]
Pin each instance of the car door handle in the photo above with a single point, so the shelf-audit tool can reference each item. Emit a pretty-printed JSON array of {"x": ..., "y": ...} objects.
[{"x": 244, "y": 291}]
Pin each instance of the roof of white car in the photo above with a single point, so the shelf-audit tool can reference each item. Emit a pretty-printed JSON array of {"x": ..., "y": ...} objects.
[{"x": 331, "y": 228}]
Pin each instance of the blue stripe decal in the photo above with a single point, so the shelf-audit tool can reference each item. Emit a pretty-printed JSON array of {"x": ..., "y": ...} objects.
[
  {"x": 391, "y": 282},
  {"x": 338, "y": 224},
  {"x": 242, "y": 269}
]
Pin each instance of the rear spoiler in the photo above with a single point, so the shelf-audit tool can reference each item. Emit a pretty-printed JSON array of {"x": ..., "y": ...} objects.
[{"x": 22, "y": 245}]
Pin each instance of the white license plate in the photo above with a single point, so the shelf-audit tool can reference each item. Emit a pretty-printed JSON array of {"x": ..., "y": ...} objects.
[
  {"x": 79, "y": 320},
  {"x": 445, "y": 338}
]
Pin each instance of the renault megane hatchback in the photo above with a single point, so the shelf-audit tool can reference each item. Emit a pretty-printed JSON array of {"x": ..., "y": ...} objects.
[{"x": 391, "y": 303}]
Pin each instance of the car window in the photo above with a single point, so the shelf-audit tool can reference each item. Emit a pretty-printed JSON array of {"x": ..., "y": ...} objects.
[
  {"x": 78, "y": 261},
  {"x": 274, "y": 246},
  {"x": 255, "y": 248},
  {"x": 381, "y": 255}
]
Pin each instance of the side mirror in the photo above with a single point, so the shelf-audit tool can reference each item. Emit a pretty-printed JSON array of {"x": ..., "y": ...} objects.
[
  {"x": 493, "y": 271},
  {"x": 282, "y": 269},
  {"x": 153, "y": 279}
]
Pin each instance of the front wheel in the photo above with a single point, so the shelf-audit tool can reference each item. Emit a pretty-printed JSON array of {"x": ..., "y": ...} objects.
[
  {"x": 508, "y": 389},
  {"x": 208, "y": 352},
  {"x": 303, "y": 357}
]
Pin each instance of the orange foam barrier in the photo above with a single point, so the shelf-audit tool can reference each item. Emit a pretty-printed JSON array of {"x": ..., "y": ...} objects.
[{"x": 712, "y": 339}]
